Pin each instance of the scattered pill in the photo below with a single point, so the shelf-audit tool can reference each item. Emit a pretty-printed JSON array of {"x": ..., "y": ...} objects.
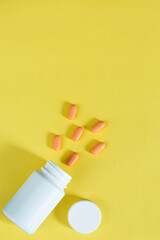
[
  {"x": 98, "y": 126},
  {"x": 77, "y": 134},
  {"x": 72, "y": 112},
  {"x": 98, "y": 148},
  {"x": 72, "y": 159},
  {"x": 56, "y": 142}
]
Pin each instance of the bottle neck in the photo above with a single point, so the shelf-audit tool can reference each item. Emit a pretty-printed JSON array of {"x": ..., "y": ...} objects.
[{"x": 56, "y": 174}]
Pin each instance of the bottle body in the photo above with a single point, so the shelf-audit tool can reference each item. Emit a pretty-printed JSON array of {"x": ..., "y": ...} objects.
[{"x": 34, "y": 201}]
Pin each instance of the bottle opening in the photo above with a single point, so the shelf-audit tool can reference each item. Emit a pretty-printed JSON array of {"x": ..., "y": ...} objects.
[{"x": 56, "y": 174}]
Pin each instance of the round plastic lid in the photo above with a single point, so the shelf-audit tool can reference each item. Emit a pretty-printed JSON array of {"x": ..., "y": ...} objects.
[{"x": 84, "y": 216}]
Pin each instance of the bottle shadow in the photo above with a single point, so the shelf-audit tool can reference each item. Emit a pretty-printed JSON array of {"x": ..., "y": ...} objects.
[
  {"x": 61, "y": 210},
  {"x": 16, "y": 167}
]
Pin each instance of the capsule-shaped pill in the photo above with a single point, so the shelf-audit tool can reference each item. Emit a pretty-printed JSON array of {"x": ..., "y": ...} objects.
[
  {"x": 98, "y": 126},
  {"x": 77, "y": 134},
  {"x": 56, "y": 142},
  {"x": 72, "y": 159},
  {"x": 72, "y": 112},
  {"x": 98, "y": 148}
]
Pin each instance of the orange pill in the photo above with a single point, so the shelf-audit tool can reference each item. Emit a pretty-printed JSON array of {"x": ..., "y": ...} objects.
[
  {"x": 98, "y": 148},
  {"x": 72, "y": 159},
  {"x": 98, "y": 126},
  {"x": 77, "y": 134},
  {"x": 56, "y": 142},
  {"x": 72, "y": 112}
]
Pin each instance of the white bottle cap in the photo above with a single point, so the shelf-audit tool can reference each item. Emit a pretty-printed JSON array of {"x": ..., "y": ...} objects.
[{"x": 84, "y": 216}]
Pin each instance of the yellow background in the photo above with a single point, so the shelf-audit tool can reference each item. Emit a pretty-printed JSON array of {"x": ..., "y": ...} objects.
[{"x": 103, "y": 56}]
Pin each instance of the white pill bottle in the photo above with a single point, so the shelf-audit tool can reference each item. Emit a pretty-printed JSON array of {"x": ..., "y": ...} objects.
[{"x": 37, "y": 197}]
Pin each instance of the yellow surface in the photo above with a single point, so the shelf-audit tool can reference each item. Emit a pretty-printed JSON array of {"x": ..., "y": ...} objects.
[{"x": 103, "y": 56}]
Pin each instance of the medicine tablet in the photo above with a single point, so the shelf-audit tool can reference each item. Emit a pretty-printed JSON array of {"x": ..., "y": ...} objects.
[
  {"x": 56, "y": 142},
  {"x": 98, "y": 148},
  {"x": 98, "y": 126},
  {"x": 77, "y": 134},
  {"x": 72, "y": 112},
  {"x": 72, "y": 159},
  {"x": 84, "y": 216}
]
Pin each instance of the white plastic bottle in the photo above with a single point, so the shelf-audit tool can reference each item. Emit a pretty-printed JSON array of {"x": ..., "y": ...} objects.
[{"x": 37, "y": 197}]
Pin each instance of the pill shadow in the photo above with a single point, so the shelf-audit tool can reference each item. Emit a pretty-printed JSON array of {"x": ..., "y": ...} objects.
[
  {"x": 65, "y": 109},
  {"x": 15, "y": 168},
  {"x": 90, "y": 145},
  {"x": 61, "y": 210},
  {"x": 50, "y": 137},
  {"x": 91, "y": 123},
  {"x": 70, "y": 131},
  {"x": 66, "y": 156}
]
